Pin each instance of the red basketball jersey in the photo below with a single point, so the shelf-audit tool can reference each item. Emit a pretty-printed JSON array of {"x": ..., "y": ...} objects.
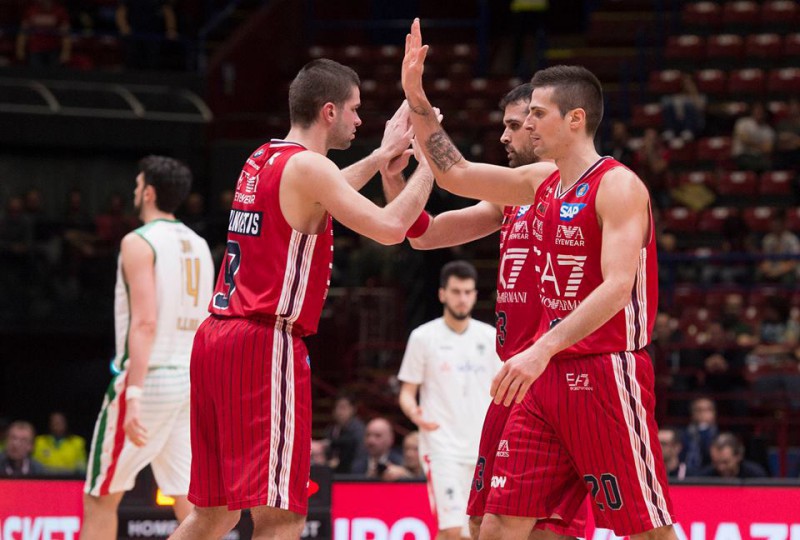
[
  {"x": 517, "y": 309},
  {"x": 271, "y": 270},
  {"x": 568, "y": 265}
]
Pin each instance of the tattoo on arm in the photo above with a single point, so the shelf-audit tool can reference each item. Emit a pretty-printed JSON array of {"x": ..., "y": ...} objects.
[{"x": 442, "y": 151}]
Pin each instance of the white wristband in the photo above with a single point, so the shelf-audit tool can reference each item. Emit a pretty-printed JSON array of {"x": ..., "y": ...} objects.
[{"x": 133, "y": 392}]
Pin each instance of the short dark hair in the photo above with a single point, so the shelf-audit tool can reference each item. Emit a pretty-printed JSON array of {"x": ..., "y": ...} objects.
[
  {"x": 676, "y": 434},
  {"x": 171, "y": 179},
  {"x": 726, "y": 439},
  {"x": 459, "y": 269},
  {"x": 520, "y": 93},
  {"x": 576, "y": 87},
  {"x": 319, "y": 82}
]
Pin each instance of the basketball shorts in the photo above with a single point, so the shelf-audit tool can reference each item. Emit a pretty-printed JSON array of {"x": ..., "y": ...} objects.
[
  {"x": 251, "y": 416},
  {"x": 448, "y": 490},
  {"x": 494, "y": 446},
  {"x": 585, "y": 426},
  {"x": 114, "y": 461}
]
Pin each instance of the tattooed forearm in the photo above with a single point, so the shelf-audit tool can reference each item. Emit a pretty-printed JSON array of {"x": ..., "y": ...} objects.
[{"x": 442, "y": 151}]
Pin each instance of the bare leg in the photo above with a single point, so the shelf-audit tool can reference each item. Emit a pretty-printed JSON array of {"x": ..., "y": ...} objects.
[
  {"x": 475, "y": 526},
  {"x": 206, "y": 523},
  {"x": 453, "y": 533},
  {"x": 276, "y": 524},
  {"x": 661, "y": 533},
  {"x": 538, "y": 534},
  {"x": 182, "y": 507},
  {"x": 496, "y": 527},
  {"x": 100, "y": 516}
]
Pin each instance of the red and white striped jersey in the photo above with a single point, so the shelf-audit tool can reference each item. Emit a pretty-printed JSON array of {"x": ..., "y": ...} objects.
[
  {"x": 271, "y": 270},
  {"x": 569, "y": 265}
]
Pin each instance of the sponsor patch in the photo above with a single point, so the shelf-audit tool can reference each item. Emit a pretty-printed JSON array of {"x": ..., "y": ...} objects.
[{"x": 570, "y": 210}]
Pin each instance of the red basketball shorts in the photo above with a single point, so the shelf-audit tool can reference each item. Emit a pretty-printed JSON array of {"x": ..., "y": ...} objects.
[
  {"x": 485, "y": 481},
  {"x": 251, "y": 416},
  {"x": 586, "y": 424}
]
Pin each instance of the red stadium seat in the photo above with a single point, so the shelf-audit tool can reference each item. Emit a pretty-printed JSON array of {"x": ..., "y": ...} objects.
[
  {"x": 712, "y": 220},
  {"x": 680, "y": 219},
  {"x": 645, "y": 116},
  {"x": 665, "y": 82},
  {"x": 763, "y": 48},
  {"x": 793, "y": 220},
  {"x": 714, "y": 149},
  {"x": 694, "y": 316},
  {"x": 759, "y": 219},
  {"x": 740, "y": 15},
  {"x": 760, "y": 295},
  {"x": 724, "y": 50},
  {"x": 780, "y": 15},
  {"x": 748, "y": 82},
  {"x": 704, "y": 178},
  {"x": 712, "y": 81},
  {"x": 791, "y": 48},
  {"x": 682, "y": 152},
  {"x": 687, "y": 48},
  {"x": 784, "y": 82},
  {"x": 776, "y": 183},
  {"x": 703, "y": 17},
  {"x": 688, "y": 296},
  {"x": 738, "y": 184}
]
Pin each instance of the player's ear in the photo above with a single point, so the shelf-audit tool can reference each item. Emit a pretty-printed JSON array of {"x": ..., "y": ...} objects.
[
  {"x": 441, "y": 295},
  {"x": 577, "y": 118},
  {"x": 328, "y": 112},
  {"x": 149, "y": 193}
]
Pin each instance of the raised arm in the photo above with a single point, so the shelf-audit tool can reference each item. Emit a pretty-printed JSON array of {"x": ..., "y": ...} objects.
[
  {"x": 499, "y": 185},
  {"x": 622, "y": 207}
]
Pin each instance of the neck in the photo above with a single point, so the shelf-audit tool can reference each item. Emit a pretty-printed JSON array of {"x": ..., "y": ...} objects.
[
  {"x": 151, "y": 214},
  {"x": 578, "y": 159},
  {"x": 456, "y": 325},
  {"x": 315, "y": 140}
]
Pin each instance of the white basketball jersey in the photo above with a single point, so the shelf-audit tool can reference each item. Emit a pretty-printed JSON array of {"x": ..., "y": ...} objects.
[
  {"x": 184, "y": 282},
  {"x": 455, "y": 373}
]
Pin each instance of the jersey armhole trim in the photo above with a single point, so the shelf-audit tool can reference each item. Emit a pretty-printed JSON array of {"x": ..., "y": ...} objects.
[{"x": 143, "y": 237}]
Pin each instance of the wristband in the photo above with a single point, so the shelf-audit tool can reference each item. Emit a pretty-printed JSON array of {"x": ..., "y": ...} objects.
[
  {"x": 419, "y": 226},
  {"x": 133, "y": 392}
]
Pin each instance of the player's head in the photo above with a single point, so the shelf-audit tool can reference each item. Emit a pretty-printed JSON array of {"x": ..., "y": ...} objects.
[
  {"x": 567, "y": 102},
  {"x": 457, "y": 289},
  {"x": 727, "y": 453},
  {"x": 326, "y": 91},
  {"x": 515, "y": 137},
  {"x": 162, "y": 183}
]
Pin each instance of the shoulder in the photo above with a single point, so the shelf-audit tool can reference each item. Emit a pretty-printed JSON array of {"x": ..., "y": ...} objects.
[
  {"x": 309, "y": 162},
  {"x": 621, "y": 188},
  {"x": 136, "y": 245},
  {"x": 425, "y": 331},
  {"x": 482, "y": 327}
]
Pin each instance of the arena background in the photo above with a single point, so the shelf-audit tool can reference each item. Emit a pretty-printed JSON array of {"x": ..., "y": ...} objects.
[{"x": 219, "y": 89}]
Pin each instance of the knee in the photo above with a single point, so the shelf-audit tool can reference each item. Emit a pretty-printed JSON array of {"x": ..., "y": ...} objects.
[
  {"x": 490, "y": 528},
  {"x": 475, "y": 526},
  {"x": 218, "y": 520},
  {"x": 97, "y": 505}
]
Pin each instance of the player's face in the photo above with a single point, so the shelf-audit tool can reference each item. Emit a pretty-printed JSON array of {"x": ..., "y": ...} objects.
[
  {"x": 515, "y": 137},
  {"x": 138, "y": 193},
  {"x": 458, "y": 297},
  {"x": 545, "y": 124},
  {"x": 347, "y": 121}
]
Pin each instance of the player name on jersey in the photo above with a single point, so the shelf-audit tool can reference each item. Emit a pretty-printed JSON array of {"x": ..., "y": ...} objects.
[{"x": 245, "y": 222}]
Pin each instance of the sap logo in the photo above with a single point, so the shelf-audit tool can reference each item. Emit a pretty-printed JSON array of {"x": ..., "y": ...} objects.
[
  {"x": 578, "y": 381},
  {"x": 498, "y": 482},
  {"x": 569, "y": 235},
  {"x": 523, "y": 210},
  {"x": 40, "y": 528},
  {"x": 570, "y": 210},
  {"x": 502, "y": 449},
  {"x": 366, "y": 528},
  {"x": 581, "y": 190},
  {"x": 514, "y": 258}
]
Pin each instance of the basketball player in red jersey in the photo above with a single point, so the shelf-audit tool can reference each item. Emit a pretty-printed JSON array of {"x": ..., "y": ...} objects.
[
  {"x": 251, "y": 402},
  {"x": 587, "y": 424}
]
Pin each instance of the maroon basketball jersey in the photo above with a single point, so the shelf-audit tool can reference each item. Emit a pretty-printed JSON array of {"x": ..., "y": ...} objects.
[
  {"x": 271, "y": 270},
  {"x": 568, "y": 263},
  {"x": 517, "y": 311}
]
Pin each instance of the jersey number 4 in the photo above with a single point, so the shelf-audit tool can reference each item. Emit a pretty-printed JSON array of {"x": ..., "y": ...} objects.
[{"x": 233, "y": 257}]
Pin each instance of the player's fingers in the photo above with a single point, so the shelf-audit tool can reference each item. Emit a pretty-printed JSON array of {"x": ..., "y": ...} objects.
[
  {"x": 502, "y": 388},
  {"x": 523, "y": 390},
  {"x": 498, "y": 379},
  {"x": 511, "y": 392},
  {"x": 422, "y": 54}
]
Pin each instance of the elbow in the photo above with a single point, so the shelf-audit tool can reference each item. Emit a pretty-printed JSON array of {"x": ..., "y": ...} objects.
[
  {"x": 391, "y": 233},
  {"x": 144, "y": 326},
  {"x": 622, "y": 294}
]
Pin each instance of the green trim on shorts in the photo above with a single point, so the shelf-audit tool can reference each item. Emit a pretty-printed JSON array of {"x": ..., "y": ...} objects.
[{"x": 111, "y": 393}]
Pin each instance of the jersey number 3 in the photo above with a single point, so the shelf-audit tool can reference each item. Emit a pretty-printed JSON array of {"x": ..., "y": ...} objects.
[{"x": 233, "y": 257}]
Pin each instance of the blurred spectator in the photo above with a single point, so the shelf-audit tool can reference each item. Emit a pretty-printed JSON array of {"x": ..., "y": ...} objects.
[
  {"x": 753, "y": 140},
  {"x": 381, "y": 456},
  {"x": 737, "y": 330},
  {"x": 142, "y": 23},
  {"x": 684, "y": 112},
  {"x": 346, "y": 436},
  {"x": 411, "y": 469},
  {"x": 318, "y": 451},
  {"x": 194, "y": 214},
  {"x": 16, "y": 460},
  {"x": 651, "y": 162},
  {"x": 699, "y": 433},
  {"x": 773, "y": 362},
  {"x": 727, "y": 460},
  {"x": 787, "y": 151},
  {"x": 60, "y": 451},
  {"x": 113, "y": 224},
  {"x": 43, "y": 38},
  {"x": 16, "y": 252},
  {"x": 618, "y": 146},
  {"x": 671, "y": 447},
  {"x": 779, "y": 241}
]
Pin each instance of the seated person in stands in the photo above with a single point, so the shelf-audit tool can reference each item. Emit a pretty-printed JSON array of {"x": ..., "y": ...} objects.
[
  {"x": 727, "y": 460},
  {"x": 671, "y": 447},
  {"x": 383, "y": 461},
  {"x": 684, "y": 112},
  {"x": 43, "y": 39},
  {"x": 779, "y": 241},
  {"x": 345, "y": 437},
  {"x": 16, "y": 460},
  {"x": 699, "y": 433},
  {"x": 753, "y": 140},
  {"x": 787, "y": 151},
  {"x": 60, "y": 451},
  {"x": 412, "y": 465}
]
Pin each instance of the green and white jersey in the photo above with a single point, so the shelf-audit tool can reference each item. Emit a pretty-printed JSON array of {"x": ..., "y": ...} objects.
[{"x": 184, "y": 282}]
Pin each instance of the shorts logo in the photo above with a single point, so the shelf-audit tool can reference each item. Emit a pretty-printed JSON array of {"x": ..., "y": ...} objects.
[
  {"x": 502, "y": 450},
  {"x": 578, "y": 381},
  {"x": 498, "y": 482},
  {"x": 570, "y": 210},
  {"x": 581, "y": 190}
]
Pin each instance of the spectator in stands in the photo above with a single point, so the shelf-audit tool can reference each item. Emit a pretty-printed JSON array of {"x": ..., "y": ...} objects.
[
  {"x": 43, "y": 40},
  {"x": 411, "y": 468},
  {"x": 619, "y": 146},
  {"x": 698, "y": 435},
  {"x": 727, "y": 460},
  {"x": 16, "y": 460},
  {"x": 737, "y": 330},
  {"x": 651, "y": 163},
  {"x": 194, "y": 214},
  {"x": 753, "y": 140},
  {"x": 382, "y": 459},
  {"x": 60, "y": 451},
  {"x": 684, "y": 112},
  {"x": 143, "y": 24},
  {"x": 345, "y": 438},
  {"x": 779, "y": 241},
  {"x": 113, "y": 224},
  {"x": 16, "y": 252},
  {"x": 671, "y": 447},
  {"x": 319, "y": 449},
  {"x": 787, "y": 151}
]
